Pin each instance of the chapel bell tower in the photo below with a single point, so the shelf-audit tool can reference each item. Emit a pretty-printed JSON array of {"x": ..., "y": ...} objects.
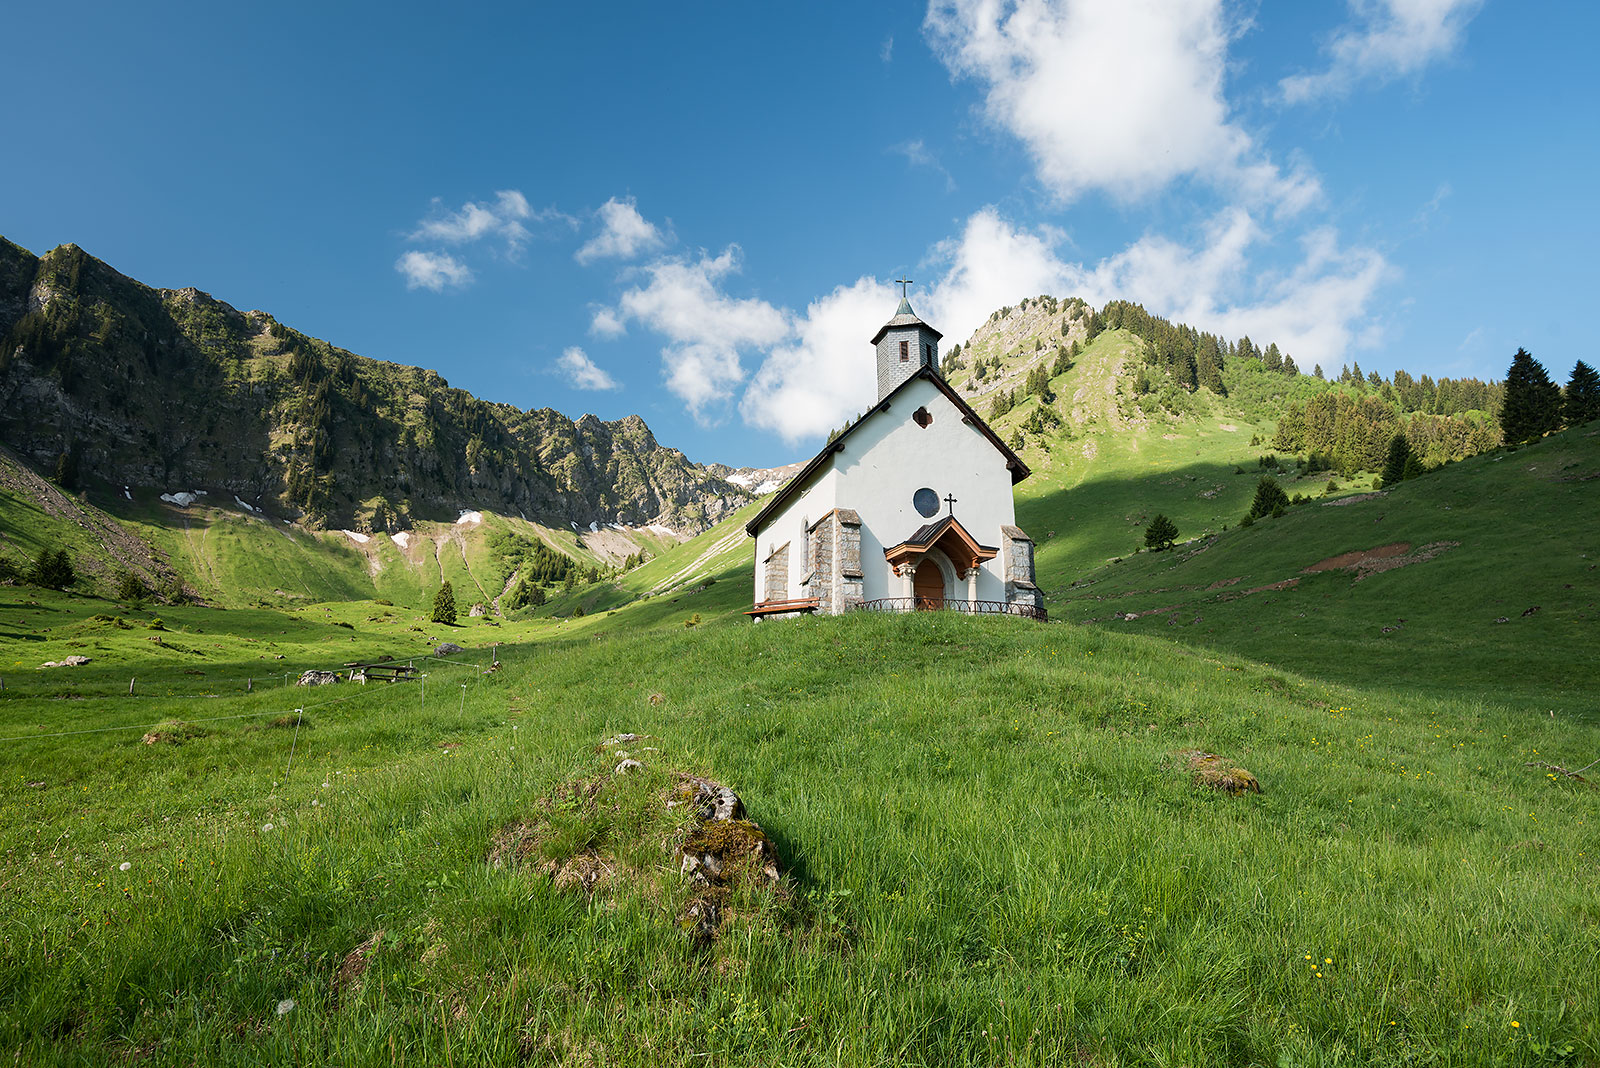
[{"x": 905, "y": 345}]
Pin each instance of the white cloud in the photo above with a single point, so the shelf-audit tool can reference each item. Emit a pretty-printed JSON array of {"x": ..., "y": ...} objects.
[
  {"x": 1387, "y": 39},
  {"x": 607, "y": 323},
  {"x": 504, "y": 217},
  {"x": 1317, "y": 310},
  {"x": 1121, "y": 96},
  {"x": 706, "y": 328},
  {"x": 812, "y": 384},
  {"x": 432, "y": 270},
  {"x": 886, "y": 50},
  {"x": 1174, "y": 280},
  {"x": 624, "y": 234},
  {"x": 702, "y": 376},
  {"x": 992, "y": 264},
  {"x": 917, "y": 154},
  {"x": 582, "y": 372}
]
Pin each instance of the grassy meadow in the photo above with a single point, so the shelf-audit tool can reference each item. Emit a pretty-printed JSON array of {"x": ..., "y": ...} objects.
[{"x": 992, "y": 852}]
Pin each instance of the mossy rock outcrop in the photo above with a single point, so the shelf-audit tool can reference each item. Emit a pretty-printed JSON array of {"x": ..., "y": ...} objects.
[{"x": 1218, "y": 773}]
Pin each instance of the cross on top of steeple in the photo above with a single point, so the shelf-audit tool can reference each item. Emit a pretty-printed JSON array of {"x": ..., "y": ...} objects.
[{"x": 905, "y": 301}]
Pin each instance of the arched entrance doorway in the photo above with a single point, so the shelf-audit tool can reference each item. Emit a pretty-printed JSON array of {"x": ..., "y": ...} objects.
[{"x": 928, "y": 586}]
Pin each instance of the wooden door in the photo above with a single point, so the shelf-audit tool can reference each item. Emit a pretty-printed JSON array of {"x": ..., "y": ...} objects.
[{"x": 928, "y": 586}]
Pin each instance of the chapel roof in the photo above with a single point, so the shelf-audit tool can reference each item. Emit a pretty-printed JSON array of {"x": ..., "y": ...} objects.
[
  {"x": 904, "y": 316},
  {"x": 1014, "y": 463}
]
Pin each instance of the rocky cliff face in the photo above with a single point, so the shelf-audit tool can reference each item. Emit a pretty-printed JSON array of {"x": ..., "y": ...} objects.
[{"x": 105, "y": 379}]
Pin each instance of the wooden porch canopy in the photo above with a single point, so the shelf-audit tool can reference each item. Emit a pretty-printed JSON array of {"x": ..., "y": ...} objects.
[{"x": 950, "y": 538}]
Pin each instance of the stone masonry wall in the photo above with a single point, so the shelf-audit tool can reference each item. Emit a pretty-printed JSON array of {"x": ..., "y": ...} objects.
[
  {"x": 777, "y": 574},
  {"x": 821, "y": 564},
  {"x": 848, "y": 553}
]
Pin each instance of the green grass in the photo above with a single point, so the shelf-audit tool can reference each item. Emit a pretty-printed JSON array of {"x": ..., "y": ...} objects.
[
  {"x": 993, "y": 856},
  {"x": 994, "y": 852},
  {"x": 1513, "y": 545}
]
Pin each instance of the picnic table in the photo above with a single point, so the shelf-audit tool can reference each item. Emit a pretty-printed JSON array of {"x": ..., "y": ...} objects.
[{"x": 389, "y": 671}]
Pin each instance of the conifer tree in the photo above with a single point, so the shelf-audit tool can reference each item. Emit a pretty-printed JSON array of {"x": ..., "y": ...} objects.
[
  {"x": 1532, "y": 405},
  {"x": 1583, "y": 396},
  {"x": 1269, "y": 500},
  {"x": 53, "y": 570},
  {"x": 1400, "y": 457},
  {"x": 1160, "y": 534},
  {"x": 1272, "y": 359},
  {"x": 444, "y": 604}
]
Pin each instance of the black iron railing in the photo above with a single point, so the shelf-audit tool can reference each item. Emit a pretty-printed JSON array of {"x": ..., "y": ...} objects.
[{"x": 972, "y": 608}]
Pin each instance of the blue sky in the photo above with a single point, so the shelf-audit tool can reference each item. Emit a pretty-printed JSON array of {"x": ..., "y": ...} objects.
[{"x": 694, "y": 211}]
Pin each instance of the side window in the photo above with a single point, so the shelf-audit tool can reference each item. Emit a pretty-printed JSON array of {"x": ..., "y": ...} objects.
[{"x": 905, "y": 351}]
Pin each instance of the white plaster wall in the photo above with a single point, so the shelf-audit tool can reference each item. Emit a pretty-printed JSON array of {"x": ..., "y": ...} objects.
[
  {"x": 889, "y": 458},
  {"x": 811, "y": 505}
]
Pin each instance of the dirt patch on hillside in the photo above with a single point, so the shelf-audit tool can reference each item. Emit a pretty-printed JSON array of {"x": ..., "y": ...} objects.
[
  {"x": 1356, "y": 559},
  {"x": 1383, "y": 558},
  {"x": 1421, "y": 556},
  {"x": 1284, "y": 585},
  {"x": 1355, "y": 499}
]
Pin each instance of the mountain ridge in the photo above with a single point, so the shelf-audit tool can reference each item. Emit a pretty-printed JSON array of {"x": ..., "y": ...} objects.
[{"x": 106, "y": 379}]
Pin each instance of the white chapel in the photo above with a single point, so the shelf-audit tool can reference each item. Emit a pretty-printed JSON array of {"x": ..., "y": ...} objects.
[{"x": 908, "y": 509}]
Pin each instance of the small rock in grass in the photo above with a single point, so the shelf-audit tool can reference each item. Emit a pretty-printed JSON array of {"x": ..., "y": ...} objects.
[
  {"x": 448, "y": 649},
  {"x": 622, "y": 739},
  {"x": 172, "y": 732}
]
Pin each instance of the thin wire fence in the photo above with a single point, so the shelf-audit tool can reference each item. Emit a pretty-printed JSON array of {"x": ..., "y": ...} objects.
[{"x": 100, "y": 684}]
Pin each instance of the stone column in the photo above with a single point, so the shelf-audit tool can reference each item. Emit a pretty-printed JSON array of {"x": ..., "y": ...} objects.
[
  {"x": 972, "y": 587},
  {"x": 908, "y": 574}
]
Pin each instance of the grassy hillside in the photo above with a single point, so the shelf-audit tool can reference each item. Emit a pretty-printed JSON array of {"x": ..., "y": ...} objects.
[
  {"x": 994, "y": 849},
  {"x": 1480, "y": 579},
  {"x": 994, "y": 854}
]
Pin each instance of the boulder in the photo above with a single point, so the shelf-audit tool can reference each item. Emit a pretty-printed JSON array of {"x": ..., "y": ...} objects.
[
  {"x": 71, "y": 661},
  {"x": 318, "y": 678},
  {"x": 709, "y": 800},
  {"x": 448, "y": 649},
  {"x": 477, "y": 610}
]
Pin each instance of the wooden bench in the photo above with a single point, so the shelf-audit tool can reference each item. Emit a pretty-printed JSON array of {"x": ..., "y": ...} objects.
[{"x": 770, "y": 608}]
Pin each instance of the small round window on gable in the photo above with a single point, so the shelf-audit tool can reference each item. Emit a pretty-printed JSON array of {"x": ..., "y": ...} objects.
[
  {"x": 926, "y": 501},
  {"x": 922, "y": 417}
]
